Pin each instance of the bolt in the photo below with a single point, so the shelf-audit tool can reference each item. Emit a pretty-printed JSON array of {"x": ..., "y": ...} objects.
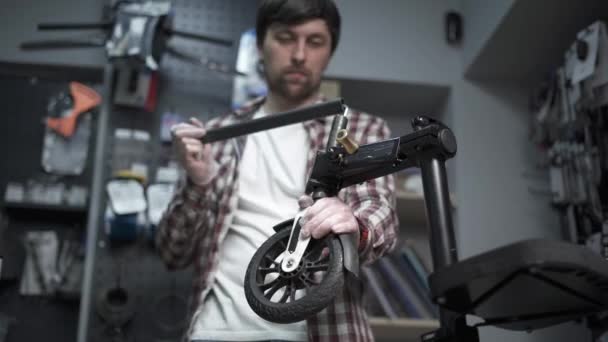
[
  {"x": 289, "y": 263},
  {"x": 421, "y": 121}
]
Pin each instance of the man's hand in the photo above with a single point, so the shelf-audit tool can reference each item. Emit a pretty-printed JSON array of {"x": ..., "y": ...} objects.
[
  {"x": 193, "y": 155},
  {"x": 327, "y": 215}
]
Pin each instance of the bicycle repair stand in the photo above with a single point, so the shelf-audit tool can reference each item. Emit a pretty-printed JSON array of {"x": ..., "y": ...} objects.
[{"x": 553, "y": 281}]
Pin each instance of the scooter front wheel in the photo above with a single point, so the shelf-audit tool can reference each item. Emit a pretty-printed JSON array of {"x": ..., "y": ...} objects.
[{"x": 287, "y": 297}]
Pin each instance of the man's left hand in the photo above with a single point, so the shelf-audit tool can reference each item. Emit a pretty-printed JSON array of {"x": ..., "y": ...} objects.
[{"x": 328, "y": 215}]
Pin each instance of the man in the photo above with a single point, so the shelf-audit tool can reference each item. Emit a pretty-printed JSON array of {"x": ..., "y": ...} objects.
[{"x": 237, "y": 190}]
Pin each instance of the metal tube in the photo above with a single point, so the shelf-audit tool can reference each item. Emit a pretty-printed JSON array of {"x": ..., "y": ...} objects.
[
  {"x": 61, "y": 44},
  {"x": 274, "y": 121},
  {"x": 438, "y": 212},
  {"x": 75, "y": 26},
  {"x": 96, "y": 204},
  {"x": 201, "y": 37},
  {"x": 441, "y": 227}
]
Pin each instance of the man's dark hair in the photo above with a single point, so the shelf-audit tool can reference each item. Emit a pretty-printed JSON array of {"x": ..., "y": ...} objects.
[{"x": 293, "y": 12}]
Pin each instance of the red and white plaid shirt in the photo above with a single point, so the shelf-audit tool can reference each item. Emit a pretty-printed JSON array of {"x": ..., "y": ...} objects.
[{"x": 198, "y": 218}]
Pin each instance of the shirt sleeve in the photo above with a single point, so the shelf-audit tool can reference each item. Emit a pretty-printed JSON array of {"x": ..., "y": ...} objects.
[
  {"x": 374, "y": 202},
  {"x": 185, "y": 222}
]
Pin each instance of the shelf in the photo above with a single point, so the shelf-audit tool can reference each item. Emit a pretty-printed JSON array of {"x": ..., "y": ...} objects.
[
  {"x": 532, "y": 39},
  {"x": 411, "y": 209},
  {"x": 393, "y": 99},
  {"x": 50, "y": 212},
  {"x": 57, "y": 208},
  {"x": 403, "y": 330}
]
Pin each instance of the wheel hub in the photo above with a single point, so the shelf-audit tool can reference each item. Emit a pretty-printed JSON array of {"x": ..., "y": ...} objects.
[{"x": 292, "y": 274}]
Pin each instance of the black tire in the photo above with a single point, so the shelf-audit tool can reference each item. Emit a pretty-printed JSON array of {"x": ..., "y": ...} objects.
[{"x": 318, "y": 294}]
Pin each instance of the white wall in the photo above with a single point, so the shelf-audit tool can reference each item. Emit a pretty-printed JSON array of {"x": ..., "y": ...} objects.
[
  {"x": 495, "y": 207},
  {"x": 482, "y": 17},
  {"x": 396, "y": 40}
]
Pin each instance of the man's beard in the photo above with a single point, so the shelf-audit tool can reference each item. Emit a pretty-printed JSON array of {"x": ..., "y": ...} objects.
[{"x": 280, "y": 85}]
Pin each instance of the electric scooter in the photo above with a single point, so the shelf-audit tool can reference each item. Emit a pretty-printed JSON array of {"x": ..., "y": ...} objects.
[{"x": 526, "y": 285}]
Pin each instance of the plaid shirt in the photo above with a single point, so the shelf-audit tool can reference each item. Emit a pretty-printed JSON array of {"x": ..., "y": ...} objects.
[{"x": 198, "y": 218}]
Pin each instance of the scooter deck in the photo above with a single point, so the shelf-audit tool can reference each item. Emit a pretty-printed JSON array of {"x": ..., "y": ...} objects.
[{"x": 526, "y": 285}]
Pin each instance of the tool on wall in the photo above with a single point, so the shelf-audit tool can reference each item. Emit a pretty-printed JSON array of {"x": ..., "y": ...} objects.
[
  {"x": 135, "y": 38},
  {"x": 116, "y": 306},
  {"x": 127, "y": 205},
  {"x": 53, "y": 266},
  {"x": 137, "y": 34},
  {"x": 569, "y": 127},
  {"x": 68, "y": 130}
]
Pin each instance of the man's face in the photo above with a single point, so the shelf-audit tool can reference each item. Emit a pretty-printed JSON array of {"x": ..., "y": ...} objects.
[{"x": 295, "y": 57}]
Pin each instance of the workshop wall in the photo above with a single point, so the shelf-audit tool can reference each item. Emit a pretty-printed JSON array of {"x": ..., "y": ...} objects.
[
  {"x": 159, "y": 298},
  {"x": 481, "y": 23},
  {"x": 396, "y": 40},
  {"x": 497, "y": 170},
  {"x": 19, "y": 21},
  {"x": 393, "y": 60},
  {"x": 156, "y": 296},
  {"x": 25, "y": 101}
]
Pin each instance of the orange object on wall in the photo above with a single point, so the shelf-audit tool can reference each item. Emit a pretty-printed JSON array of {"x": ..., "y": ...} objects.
[{"x": 84, "y": 99}]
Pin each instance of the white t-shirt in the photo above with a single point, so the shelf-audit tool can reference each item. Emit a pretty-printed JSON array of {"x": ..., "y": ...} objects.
[{"x": 272, "y": 175}]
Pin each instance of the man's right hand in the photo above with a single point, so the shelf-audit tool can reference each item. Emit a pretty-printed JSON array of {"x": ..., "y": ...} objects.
[{"x": 194, "y": 156}]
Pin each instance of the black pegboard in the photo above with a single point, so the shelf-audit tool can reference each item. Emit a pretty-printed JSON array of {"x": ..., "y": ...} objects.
[
  {"x": 185, "y": 88},
  {"x": 35, "y": 317},
  {"x": 190, "y": 90},
  {"x": 137, "y": 269},
  {"x": 226, "y": 19},
  {"x": 24, "y": 101}
]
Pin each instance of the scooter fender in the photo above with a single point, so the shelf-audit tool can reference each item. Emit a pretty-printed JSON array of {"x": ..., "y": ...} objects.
[
  {"x": 351, "y": 255},
  {"x": 285, "y": 224},
  {"x": 348, "y": 242}
]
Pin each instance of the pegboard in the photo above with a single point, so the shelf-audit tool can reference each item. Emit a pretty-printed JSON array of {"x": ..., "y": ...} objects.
[
  {"x": 137, "y": 269},
  {"x": 226, "y": 19},
  {"x": 190, "y": 90},
  {"x": 25, "y": 100}
]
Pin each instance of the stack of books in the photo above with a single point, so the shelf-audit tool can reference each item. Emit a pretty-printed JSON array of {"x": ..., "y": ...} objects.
[{"x": 397, "y": 286}]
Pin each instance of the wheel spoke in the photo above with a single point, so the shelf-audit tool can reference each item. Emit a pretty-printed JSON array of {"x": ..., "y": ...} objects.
[
  {"x": 266, "y": 286},
  {"x": 305, "y": 283},
  {"x": 269, "y": 258},
  {"x": 308, "y": 281},
  {"x": 317, "y": 268},
  {"x": 277, "y": 285},
  {"x": 286, "y": 293},
  {"x": 321, "y": 259},
  {"x": 283, "y": 245},
  {"x": 265, "y": 270},
  {"x": 314, "y": 250},
  {"x": 292, "y": 296},
  {"x": 299, "y": 283}
]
